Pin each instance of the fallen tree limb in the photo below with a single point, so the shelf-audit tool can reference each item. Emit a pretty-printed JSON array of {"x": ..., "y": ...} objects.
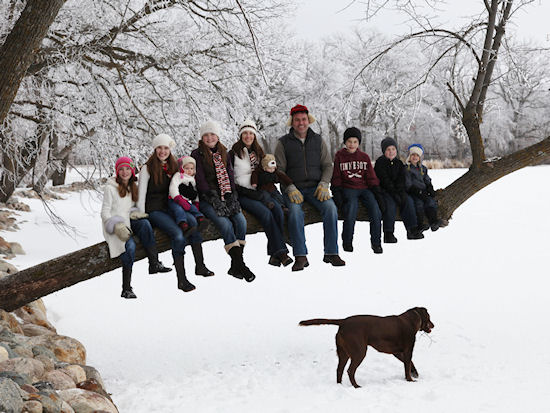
[{"x": 35, "y": 282}]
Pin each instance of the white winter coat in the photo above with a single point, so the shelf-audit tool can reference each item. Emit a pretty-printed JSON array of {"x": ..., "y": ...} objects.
[
  {"x": 175, "y": 182},
  {"x": 242, "y": 169},
  {"x": 115, "y": 209},
  {"x": 143, "y": 182}
]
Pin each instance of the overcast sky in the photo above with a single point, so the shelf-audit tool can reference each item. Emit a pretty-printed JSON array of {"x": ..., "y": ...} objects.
[{"x": 317, "y": 18}]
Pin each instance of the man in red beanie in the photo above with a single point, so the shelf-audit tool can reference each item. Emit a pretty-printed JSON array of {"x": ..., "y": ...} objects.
[{"x": 303, "y": 156}]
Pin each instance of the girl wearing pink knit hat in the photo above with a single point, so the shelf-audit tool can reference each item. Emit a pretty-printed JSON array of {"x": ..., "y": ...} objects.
[{"x": 121, "y": 219}]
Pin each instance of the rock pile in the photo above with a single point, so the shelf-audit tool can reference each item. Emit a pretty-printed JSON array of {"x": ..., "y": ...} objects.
[{"x": 41, "y": 371}]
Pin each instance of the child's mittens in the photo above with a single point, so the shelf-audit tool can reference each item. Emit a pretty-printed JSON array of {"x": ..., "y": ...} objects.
[
  {"x": 188, "y": 191},
  {"x": 182, "y": 202},
  {"x": 122, "y": 231},
  {"x": 138, "y": 215}
]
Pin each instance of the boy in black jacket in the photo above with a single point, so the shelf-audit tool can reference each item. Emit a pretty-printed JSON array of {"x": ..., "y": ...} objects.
[{"x": 391, "y": 173}]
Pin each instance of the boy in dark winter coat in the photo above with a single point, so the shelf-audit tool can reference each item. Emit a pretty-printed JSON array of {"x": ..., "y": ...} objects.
[
  {"x": 391, "y": 173},
  {"x": 353, "y": 179},
  {"x": 419, "y": 187}
]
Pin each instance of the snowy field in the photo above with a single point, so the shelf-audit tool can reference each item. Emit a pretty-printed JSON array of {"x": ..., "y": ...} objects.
[{"x": 230, "y": 346}]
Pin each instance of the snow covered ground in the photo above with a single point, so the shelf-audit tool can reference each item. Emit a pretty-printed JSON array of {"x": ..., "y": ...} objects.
[{"x": 230, "y": 346}]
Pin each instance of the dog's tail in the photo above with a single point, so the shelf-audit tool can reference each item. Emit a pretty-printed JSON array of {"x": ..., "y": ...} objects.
[{"x": 319, "y": 321}]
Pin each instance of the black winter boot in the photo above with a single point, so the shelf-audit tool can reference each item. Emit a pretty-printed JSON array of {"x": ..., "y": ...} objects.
[
  {"x": 389, "y": 238},
  {"x": 435, "y": 223},
  {"x": 247, "y": 274},
  {"x": 200, "y": 268},
  {"x": 236, "y": 262},
  {"x": 422, "y": 225},
  {"x": 414, "y": 233},
  {"x": 126, "y": 283},
  {"x": 183, "y": 282},
  {"x": 155, "y": 265}
]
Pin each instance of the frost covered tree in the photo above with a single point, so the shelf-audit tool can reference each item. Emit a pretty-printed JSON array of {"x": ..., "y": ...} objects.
[{"x": 107, "y": 75}]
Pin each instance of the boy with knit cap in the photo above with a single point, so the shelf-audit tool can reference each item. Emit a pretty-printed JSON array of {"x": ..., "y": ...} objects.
[
  {"x": 391, "y": 173},
  {"x": 419, "y": 187},
  {"x": 354, "y": 179}
]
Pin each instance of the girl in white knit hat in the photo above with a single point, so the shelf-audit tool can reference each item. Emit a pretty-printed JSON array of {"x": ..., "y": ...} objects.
[
  {"x": 154, "y": 182},
  {"x": 219, "y": 203}
]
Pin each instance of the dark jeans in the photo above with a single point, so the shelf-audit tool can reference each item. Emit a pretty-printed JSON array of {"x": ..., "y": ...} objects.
[
  {"x": 231, "y": 228},
  {"x": 329, "y": 214},
  {"x": 423, "y": 205},
  {"x": 408, "y": 214},
  {"x": 351, "y": 204},
  {"x": 143, "y": 230},
  {"x": 272, "y": 221},
  {"x": 164, "y": 221}
]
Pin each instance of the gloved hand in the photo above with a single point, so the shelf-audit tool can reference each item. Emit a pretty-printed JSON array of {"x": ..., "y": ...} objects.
[
  {"x": 294, "y": 194},
  {"x": 337, "y": 196},
  {"x": 182, "y": 202},
  {"x": 430, "y": 191},
  {"x": 122, "y": 231},
  {"x": 138, "y": 215},
  {"x": 321, "y": 192}
]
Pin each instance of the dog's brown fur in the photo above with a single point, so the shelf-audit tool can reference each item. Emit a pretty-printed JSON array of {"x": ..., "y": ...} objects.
[{"x": 394, "y": 334}]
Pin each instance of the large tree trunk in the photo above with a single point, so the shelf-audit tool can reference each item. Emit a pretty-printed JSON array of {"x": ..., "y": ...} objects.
[
  {"x": 476, "y": 179},
  {"x": 17, "y": 52}
]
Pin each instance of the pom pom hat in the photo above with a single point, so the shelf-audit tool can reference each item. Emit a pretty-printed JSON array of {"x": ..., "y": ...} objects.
[
  {"x": 248, "y": 125},
  {"x": 125, "y": 161},
  {"x": 164, "y": 140},
  {"x": 299, "y": 109},
  {"x": 184, "y": 160},
  {"x": 415, "y": 148},
  {"x": 210, "y": 126}
]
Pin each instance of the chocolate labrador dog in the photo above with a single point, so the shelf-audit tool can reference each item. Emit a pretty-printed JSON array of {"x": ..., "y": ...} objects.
[{"x": 393, "y": 334}]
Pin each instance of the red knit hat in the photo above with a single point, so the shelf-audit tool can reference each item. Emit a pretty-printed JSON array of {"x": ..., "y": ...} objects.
[
  {"x": 300, "y": 109},
  {"x": 125, "y": 161}
]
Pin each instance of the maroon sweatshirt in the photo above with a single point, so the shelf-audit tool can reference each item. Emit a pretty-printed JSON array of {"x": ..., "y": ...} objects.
[{"x": 353, "y": 170}]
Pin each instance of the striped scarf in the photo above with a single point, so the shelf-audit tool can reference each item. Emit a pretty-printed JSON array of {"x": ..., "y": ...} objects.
[
  {"x": 221, "y": 174},
  {"x": 253, "y": 161}
]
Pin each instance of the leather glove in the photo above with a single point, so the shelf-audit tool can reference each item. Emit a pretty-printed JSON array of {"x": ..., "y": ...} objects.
[
  {"x": 138, "y": 215},
  {"x": 122, "y": 231},
  {"x": 187, "y": 190},
  {"x": 430, "y": 191},
  {"x": 321, "y": 192},
  {"x": 294, "y": 194},
  {"x": 337, "y": 196}
]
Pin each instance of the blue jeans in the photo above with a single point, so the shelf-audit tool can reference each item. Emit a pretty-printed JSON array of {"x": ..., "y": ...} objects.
[
  {"x": 408, "y": 214},
  {"x": 143, "y": 230},
  {"x": 164, "y": 221},
  {"x": 329, "y": 214},
  {"x": 231, "y": 228},
  {"x": 181, "y": 215},
  {"x": 351, "y": 204},
  {"x": 272, "y": 221}
]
